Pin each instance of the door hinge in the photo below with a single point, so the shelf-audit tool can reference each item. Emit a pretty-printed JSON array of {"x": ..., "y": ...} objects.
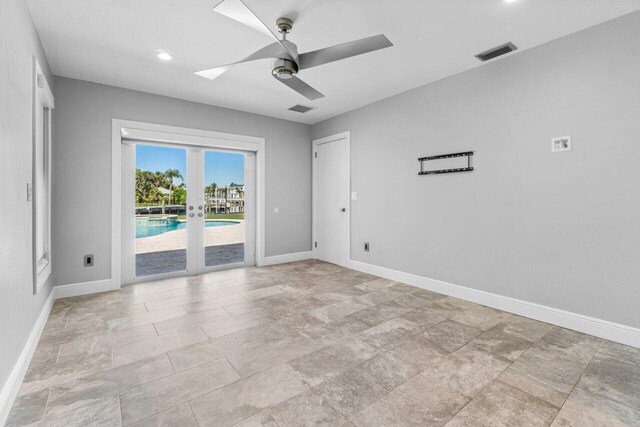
[
  {"x": 316, "y": 244},
  {"x": 316, "y": 153}
]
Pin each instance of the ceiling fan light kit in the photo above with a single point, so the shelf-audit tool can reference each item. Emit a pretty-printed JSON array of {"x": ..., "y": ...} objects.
[{"x": 285, "y": 53}]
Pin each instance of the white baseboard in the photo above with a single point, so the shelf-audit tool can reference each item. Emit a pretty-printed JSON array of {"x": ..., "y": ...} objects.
[
  {"x": 281, "y": 259},
  {"x": 85, "y": 288},
  {"x": 12, "y": 385},
  {"x": 589, "y": 325}
]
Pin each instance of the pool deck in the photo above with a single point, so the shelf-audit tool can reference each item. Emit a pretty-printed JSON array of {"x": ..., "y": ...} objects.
[
  {"x": 176, "y": 260},
  {"x": 166, "y": 252},
  {"x": 174, "y": 240}
]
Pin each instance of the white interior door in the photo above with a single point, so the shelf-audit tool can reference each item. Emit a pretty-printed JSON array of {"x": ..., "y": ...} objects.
[{"x": 331, "y": 199}]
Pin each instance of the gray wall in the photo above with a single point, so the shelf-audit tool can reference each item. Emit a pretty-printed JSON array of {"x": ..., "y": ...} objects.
[
  {"x": 19, "y": 308},
  {"x": 559, "y": 229},
  {"x": 82, "y": 169}
]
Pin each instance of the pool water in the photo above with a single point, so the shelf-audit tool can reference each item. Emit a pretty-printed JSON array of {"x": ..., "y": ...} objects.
[{"x": 145, "y": 230}]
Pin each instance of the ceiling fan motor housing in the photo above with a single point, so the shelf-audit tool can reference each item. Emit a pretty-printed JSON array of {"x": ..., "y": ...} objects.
[{"x": 284, "y": 69}]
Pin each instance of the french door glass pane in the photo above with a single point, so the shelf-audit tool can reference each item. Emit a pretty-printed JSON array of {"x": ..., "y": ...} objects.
[
  {"x": 224, "y": 227},
  {"x": 161, "y": 198}
]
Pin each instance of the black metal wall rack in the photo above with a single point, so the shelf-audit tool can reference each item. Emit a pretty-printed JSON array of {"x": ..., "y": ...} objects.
[{"x": 466, "y": 154}]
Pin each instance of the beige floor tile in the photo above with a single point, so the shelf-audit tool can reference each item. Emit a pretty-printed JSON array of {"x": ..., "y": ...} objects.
[
  {"x": 248, "y": 397},
  {"x": 621, "y": 352},
  {"x": 481, "y": 317},
  {"x": 502, "y": 405},
  {"x": 310, "y": 343},
  {"x": 430, "y": 315},
  {"x": 544, "y": 374},
  {"x": 105, "y": 342},
  {"x": 498, "y": 340},
  {"x": 100, "y": 412},
  {"x": 157, "y": 345},
  {"x": 110, "y": 382},
  {"x": 263, "y": 419},
  {"x": 211, "y": 303},
  {"x": 234, "y": 324},
  {"x": 215, "y": 348},
  {"x": 395, "y": 366},
  {"x": 389, "y": 334},
  {"x": 267, "y": 356},
  {"x": 448, "y": 335},
  {"x": 350, "y": 393},
  {"x": 380, "y": 313},
  {"x": 45, "y": 376},
  {"x": 583, "y": 408},
  {"x": 613, "y": 378},
  {"x": 337, "y": 311},
  {"x": 28, "y": 408},
  {"x": 176, "y": 323},
  {"x": 158, "y": 396},
  {"x": 179, "y": 416},
  {"x": 146, "y": 318},
  {"x": 570, "y": 345},
  {"x": 308, "y": 409},
  {"x": 177, "y": 301},
  {"x": 331, "y": 361}
]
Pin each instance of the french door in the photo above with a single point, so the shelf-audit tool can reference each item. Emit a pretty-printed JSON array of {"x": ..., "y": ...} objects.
[{"x": 187, "y": 210}]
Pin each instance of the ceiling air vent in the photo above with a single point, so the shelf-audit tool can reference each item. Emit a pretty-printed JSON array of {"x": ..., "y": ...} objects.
[
  {"x": 301, "y": 108},
  {"x": 496, "y": 51}
]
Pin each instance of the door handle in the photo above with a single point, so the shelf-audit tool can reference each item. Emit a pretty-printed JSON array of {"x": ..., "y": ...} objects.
[{"x": 343, "y": 209}]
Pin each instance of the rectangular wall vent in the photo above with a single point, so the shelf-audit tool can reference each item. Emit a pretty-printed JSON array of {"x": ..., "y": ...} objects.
[
  {"x": 496, "y": 51},
  {"x": 301, "y": 108}
]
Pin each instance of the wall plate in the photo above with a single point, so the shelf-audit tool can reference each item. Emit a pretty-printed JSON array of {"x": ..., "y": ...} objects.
[{"x": 560, "y": 143}]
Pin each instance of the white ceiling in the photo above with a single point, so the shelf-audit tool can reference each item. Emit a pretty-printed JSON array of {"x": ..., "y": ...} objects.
[{"x": 114, "y": 42}]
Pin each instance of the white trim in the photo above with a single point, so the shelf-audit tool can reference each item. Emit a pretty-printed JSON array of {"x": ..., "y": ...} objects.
[
  {"x": 128, "y": 129},
  {"x": 12, "y": 385},
  {"x": 84, "y": 288},
  {"x": 43, "y": 103},
  {"x": 347, "y": 137},
  {"x": 281, "y": 259},
  {"x": 589, "y": 325}
]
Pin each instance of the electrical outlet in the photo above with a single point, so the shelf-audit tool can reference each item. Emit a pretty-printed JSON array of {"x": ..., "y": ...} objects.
[
  {"x": 561, "y": 143},
  {"x": 366, "y": 246},
  {"x": 88, "y": 260}
]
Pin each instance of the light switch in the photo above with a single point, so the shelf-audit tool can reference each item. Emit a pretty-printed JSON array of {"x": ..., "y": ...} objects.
[{"x": 354, "y": 195}]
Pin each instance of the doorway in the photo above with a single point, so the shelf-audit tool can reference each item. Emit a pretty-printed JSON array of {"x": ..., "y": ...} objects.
[
  {"x": 331, "y": 199},
  {"x": 189, "y": 204}
]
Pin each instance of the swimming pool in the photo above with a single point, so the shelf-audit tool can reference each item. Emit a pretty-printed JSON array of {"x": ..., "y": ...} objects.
[{"x": 153, "y": 228}]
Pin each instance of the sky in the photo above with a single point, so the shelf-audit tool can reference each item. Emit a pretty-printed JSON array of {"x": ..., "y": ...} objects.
[{"x": 221, "y": 168}]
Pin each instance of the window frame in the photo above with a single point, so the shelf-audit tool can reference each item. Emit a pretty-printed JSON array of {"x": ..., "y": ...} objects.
[{"x": 40, "y": 195}]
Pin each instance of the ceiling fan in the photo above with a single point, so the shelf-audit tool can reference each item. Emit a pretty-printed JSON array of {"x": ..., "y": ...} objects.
[{"x": 287, "y": 60}]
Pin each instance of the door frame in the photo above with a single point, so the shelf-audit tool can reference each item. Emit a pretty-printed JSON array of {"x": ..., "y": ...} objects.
[
  {"x": 314, "y": 202},
  {"x": 178, "y": 136}
]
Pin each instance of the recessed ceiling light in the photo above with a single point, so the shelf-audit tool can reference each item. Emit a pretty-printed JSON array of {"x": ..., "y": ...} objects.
[{"x": 164, "y": 56}]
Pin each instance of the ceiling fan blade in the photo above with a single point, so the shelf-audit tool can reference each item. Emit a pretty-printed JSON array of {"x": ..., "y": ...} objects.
[
  {"x": 301, "y": 87},
  {"x": 274, "y": 50},
  {"x": 239, "y": 11},
  {"x": 343, "y": 51}
]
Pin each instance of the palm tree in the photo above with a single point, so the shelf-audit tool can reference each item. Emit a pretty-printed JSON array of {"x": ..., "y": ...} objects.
[
  {"x": 172, "y": 174},
  {"x": 211, "y": 193}
]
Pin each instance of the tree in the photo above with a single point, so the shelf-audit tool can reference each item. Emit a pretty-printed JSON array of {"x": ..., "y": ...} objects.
[
  {"x": 210, "y": 193},
  {"x": 180, "y": 195},
  {"x": 170, "y": 175}
]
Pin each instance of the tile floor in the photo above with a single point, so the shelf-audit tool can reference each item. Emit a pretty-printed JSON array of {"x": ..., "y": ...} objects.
[{"x": 310, "y": 343}]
